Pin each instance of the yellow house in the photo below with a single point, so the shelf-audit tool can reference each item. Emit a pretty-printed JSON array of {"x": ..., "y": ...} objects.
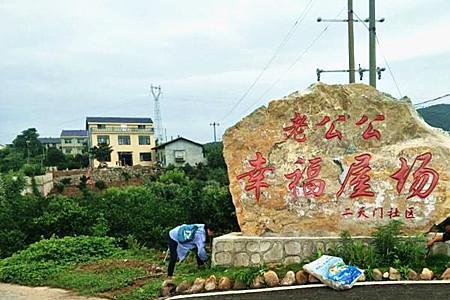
[{"x": 131, "y": 139}]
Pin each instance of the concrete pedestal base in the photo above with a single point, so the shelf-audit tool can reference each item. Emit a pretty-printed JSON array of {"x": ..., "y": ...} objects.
[{"x": 236, "y": 249}]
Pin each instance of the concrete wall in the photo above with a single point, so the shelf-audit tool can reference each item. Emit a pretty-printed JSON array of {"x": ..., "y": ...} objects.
[
  {"x": 193, "y": 153},
  {"x": 44, "y": 184}
]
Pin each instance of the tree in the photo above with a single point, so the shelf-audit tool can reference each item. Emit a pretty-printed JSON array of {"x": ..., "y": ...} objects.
[
  {"x": 27, "y": 142},
  {"x": 55, "y": 157},
  {"x": 102, "y": 153}
]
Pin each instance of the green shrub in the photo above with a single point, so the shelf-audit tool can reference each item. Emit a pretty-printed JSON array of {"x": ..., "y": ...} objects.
[
  {"x": 83, "y": 183},
  {"x": 44, "y": 258},
  {"x": 66, "y": 181},
  {"x": 32, "y": 170},
  {"x": 386, "y": 240},
  {"x": 354, "y": 252},
  {"x": 100, "y": 184},
  {"x": 63, "y": 216},
  {"x": 59, "y": 187}
]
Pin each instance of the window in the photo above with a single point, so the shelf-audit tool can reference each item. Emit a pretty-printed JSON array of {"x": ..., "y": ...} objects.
[
  {"x": 80, "y": 141},
  {"x": 141, "y": 126},
  {"x": 67, "y": 141},
  {"x": 180, "y": 155},
  {"x": 103, "y": 139},
  {"x": 144, "y": 140},
  {"x": 145, "y": 156},
  {"x": 101, "y": 126},
  {"x": 124, "y": 140}
]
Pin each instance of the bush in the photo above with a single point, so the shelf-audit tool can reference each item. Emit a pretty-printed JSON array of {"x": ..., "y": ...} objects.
[
  {"x": 63, "y": 216},
  {"x": 66, "y": 181},
  {"x": 101, "y": 185},
  {"x": 355, "y": 252},
  {"x": 83, "y": 183},
  {"x": 32, "y": 170},
  {"x": 59, "y": 187},
  {"x": 388, "y": 248},
  {"x": 44, "y": 258}
]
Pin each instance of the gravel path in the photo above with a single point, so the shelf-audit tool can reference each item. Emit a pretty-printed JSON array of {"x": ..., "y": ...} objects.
[{"x": 18, "y": 292}]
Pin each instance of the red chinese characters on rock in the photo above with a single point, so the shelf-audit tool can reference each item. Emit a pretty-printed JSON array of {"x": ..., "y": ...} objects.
[
  {"x": 378, "y": 212},
  {"x": 296, "y": 130},
  {"x": 370, "y": 132},
  {"x": 312, "y": 186},
  {"x": 424, "y": 179},
  {"x": 359, "y": 179},
  {"x": 256, "y": 176},
  {"x": 332, "y": 132}
]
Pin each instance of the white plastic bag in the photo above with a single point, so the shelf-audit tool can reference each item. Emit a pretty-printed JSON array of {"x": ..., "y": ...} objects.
[{"x": 333, "y": 272}]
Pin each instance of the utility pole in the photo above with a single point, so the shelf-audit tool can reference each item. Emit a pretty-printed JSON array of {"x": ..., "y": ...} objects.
[
  {"x": 28, "y": 151},
  {"x": 214, "y": 125},
  {"x": 156, "y": 92},
  {"x": 373, "y": 70},
  {"x": 351, "y": 43},
  {"x": 372, "y": 49}
]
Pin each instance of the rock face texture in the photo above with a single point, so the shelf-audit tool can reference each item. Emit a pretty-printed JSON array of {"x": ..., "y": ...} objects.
[{"x": 338, "y": 157}]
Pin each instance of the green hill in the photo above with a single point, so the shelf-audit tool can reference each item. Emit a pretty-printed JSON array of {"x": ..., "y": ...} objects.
[{"x": 437, "y": 115}]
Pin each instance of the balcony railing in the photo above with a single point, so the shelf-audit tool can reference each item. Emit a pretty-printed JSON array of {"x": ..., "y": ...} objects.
[{"x": 122, "y": 129}]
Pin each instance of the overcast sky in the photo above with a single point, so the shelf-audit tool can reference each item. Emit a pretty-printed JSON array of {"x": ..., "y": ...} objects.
[{"x": 62, "y": 61}]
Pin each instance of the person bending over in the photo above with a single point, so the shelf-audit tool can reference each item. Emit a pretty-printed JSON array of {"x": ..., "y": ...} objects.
[{"x": 184, "y": 238}]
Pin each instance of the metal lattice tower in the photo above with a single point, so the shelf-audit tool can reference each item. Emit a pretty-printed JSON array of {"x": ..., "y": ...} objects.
[{"x": 156, "y": 92}]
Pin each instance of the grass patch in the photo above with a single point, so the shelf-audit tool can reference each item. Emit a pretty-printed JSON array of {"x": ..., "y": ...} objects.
[{"x": 92, "y": 282}]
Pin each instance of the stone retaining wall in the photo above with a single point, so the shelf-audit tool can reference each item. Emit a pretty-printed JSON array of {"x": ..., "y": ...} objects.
[{"x": 236, "y": 249}]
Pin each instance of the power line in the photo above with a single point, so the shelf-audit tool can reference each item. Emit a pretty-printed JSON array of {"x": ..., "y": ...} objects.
[
  {"x": 272, "y": 58},
  {"x": 298, "y": 58},
  {"x": 432, "y": 100},
  {"x": 382, "y": 54}
]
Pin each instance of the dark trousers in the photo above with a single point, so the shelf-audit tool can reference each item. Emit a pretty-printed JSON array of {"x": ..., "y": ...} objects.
[{"x": 174, "y": 256}]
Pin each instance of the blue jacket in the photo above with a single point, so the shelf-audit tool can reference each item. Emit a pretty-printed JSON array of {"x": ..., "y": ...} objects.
[{"x": 198, "y": 241}]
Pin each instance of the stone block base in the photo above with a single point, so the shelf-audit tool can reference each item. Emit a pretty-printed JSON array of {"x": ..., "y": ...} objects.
[{"x": 236, "y": 249}]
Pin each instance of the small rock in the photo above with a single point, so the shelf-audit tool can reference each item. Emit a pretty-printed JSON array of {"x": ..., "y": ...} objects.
[
  {"x": 386, "y": 275},
  {"x": 225, "y": 284},
  {"x": 258, "y": 282},
  {"x": 271, "y": 279},
  {"x": 412, "y": 275},
  {"x": 446, "y": 274},
  {"x": 362, "y": 277},
  {"x": 158, "y": 270},
  {"x": 239, "y": 285},
  {"x": 289, "y": 278},
  {"x": 301, "y": 277},
  {"x": 211, "y": 283},
  {"x": 426, "y": 274},
  {"x": 377, "y": 275},
  {"x": 197, "y": 287},
  {"x": 167, "y": 288},
  {"x": 312, "y": 279},
  {"x": 184, "y": 287},
  {"x": 394, "y": 274}
]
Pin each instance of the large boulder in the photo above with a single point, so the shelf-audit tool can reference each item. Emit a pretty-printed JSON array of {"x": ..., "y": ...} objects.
[{"x": 337, "y": 157}]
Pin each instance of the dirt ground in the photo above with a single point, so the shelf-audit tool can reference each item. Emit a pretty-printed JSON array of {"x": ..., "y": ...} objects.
[{"x": 18, "y": 292}]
